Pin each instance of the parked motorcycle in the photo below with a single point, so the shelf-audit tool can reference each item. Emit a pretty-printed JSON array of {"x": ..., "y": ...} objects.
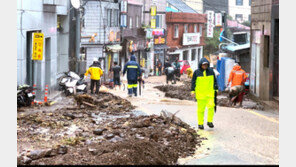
[
  {"x": 71, "y": 83},
  {"x": 25, "y": 96}
]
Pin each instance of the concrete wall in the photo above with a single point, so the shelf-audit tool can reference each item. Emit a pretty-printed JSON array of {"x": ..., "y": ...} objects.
[
  {"x": 234, "y": 9},
  {"x": 261, "y": 22},
  {"x": 33, "y": 15}
]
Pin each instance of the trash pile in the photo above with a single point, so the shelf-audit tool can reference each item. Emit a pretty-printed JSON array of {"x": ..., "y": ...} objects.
[
  {"x": 102, "y": 130},
  {"x": 183, "y": 92}
]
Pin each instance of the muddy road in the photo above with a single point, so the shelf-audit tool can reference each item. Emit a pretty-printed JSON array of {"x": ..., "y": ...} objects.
[
  {"x": 101, "y": 130},
  {"x": 183, "y": 91}
]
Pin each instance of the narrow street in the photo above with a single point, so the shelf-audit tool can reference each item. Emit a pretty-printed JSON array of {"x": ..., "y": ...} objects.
[{"x": 240, "y": 136}]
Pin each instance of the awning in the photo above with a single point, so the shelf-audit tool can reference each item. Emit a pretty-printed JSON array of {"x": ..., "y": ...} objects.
[
  {"x": 114, "y": 48},
  {"x": 234, "y": 48}
]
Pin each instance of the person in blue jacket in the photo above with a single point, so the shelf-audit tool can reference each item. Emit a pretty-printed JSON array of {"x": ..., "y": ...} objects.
[{"x": 133, "y": 75}]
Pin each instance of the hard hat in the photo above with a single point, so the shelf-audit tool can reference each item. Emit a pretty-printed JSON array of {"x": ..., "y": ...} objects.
[
  {"x": 95, "y": 59},
  {"x": 211, "y": 65}
]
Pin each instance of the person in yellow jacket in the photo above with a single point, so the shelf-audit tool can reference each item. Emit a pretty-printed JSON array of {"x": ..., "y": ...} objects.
[
  {"x": 95, "y": 75},
  {"x": 189, "y": 72},
  {"x": 203, "y": 87}
]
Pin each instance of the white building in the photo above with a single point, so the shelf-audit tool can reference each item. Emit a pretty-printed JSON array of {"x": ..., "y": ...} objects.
[
  {"x": 49, "y": 17},
  {"x": 240, "y": 10}
]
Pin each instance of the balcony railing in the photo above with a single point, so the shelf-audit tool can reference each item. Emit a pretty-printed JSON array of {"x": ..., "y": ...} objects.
[{"x": 54, "y": 2}]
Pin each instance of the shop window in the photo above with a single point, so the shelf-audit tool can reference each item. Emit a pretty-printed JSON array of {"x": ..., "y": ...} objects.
[
  {"x": 199, "y": 54},
  {"x": 193, "y": 54},
  {"x": 185, "y": 55}
]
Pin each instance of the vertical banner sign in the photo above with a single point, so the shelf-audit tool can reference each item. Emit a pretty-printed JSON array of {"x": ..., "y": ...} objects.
[
  {"x": 153, "y": 23},
  {"x": 210, "y": 24},
  {"x": 37, "y": 53},
  {"x": 218, "y": 19},
  {"x": 153, "y": 10}
]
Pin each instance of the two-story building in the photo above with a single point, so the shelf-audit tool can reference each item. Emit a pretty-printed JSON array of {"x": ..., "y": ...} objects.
[
  {"x": 100, "y": 33},
  {"x": 185, "y": 37}
]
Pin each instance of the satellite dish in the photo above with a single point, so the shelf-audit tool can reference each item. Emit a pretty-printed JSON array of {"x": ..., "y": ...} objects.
[{"x": 75, "y": 3}]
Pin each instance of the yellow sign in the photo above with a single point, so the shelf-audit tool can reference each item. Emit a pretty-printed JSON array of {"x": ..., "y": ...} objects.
[
  {"x": 142, "y": 62},
  {"x": 159, "y": 40},
  {"x": 153, "y": 23},
  {"x": 153, "y": 10},
  {"x": 38, "y": 39}
]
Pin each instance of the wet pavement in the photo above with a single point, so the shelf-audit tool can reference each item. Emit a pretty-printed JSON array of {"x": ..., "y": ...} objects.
[{"x": 240, "y": 136}]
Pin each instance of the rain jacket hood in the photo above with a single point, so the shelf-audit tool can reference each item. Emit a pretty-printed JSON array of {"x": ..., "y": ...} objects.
[
  {"x": 202, "y": 60},
  {"x": 133, "y": 58},
  {"x": 237, "y": 67}
]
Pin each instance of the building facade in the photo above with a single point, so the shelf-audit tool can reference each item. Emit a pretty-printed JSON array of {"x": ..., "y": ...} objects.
[
  {"x": 185, "y": 37},
  {"x": 50, "y": 18},
  {"x": 215, "y": 5},
  {"x": 240, "y": 10},
  {"x": 100, "y": 33},
  {"x": 264, "y": 76}
]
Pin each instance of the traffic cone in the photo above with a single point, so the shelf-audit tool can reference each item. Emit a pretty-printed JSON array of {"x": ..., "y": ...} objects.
[{"x": 46, "y": 93}]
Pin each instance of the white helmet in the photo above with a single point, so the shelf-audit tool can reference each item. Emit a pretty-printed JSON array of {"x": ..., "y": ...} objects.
[{"x": 95, "y": 59}]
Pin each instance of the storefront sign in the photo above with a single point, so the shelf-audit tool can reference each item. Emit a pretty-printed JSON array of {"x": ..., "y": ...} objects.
[
  {"x": 153, "y": 23},
  {"x": 158, "y": 32},
  {"x": 123, "y": 6},
  {"x": 210, "y": 24},
  {"x": 114, "y": 36},
  {"x": 153, "y": 10},
  {"x": 218, "y": 19},
  {"x": 37, "y": 53},
  {"x": 159, "y": 40},
  {"x": 191, "y": 38},
  {"x": 123, "y": 20}
]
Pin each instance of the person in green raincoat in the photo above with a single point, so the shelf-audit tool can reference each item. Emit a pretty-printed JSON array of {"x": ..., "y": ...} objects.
[{"x": 203, "y": 87}]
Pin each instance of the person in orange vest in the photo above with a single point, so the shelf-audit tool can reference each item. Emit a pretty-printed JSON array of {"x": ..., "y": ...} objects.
[{"x": 237, "y": 77}]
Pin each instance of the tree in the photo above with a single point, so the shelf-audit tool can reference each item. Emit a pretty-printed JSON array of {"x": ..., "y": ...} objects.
[
  {"x": 212, "y": 44},
  {"x": 246, "y": 23}
]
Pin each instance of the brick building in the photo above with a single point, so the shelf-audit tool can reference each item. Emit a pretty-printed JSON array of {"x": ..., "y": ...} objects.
[{"x": 185, "y": 37}]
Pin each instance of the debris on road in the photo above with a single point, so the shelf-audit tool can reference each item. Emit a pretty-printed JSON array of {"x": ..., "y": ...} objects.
[
  {"x": 111, "y": 133},
  {"x": 182, "y": 92}
]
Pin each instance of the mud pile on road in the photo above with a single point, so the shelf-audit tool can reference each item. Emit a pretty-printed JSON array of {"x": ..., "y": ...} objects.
[
  {"x": 183, "y": 92},
  {"x": 110, "y": 133}
]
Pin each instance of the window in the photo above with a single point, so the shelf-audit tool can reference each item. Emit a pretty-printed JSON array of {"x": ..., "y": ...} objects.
[
  {"x": 250, "y": 2},
  {"x": 116, "y": 18},
  {"x": 239, "y": 2},
  {"x": 266, "y": 51},
  {"x": 238, "y": 17},
  {"x": 158, "y": 21},
  {"x": 137, "y": 21},
  {"x": 130, "y": 22},
  {"x": 200, "y": 30},
  {"x": 176, "y": 31},
  {"x": 195, "y": 28},
  {"x": 185, "y": 55},
  {"x": 109, "y": 16},
  {"x": 186, "y": 28},
  {"x": 249, "y": 17},
  {"x": 193, "y": 54},
  {"x": 199, "y": 54}
]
